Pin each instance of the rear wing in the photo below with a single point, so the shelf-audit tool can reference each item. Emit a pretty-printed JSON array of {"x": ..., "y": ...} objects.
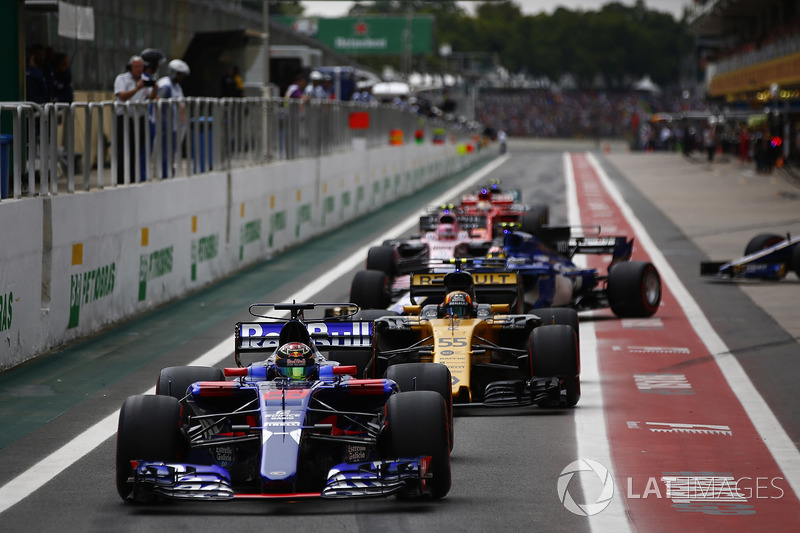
[
  {"x": 561, "y": 240},
  {"x": 430, "y": 221},
  {"x": 328, "y": 335},
  {"x": 489, "y": 287}
]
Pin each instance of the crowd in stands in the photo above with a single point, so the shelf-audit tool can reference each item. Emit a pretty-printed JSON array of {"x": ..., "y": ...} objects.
[{"x": 573, "y": 113}]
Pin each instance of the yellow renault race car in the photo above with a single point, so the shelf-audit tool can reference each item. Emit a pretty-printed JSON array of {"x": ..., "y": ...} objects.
[{"x": 496, "y": 357}]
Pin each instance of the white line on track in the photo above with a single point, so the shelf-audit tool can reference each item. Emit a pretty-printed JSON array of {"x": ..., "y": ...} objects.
[
  {"x": 769, "y": 429},
  {"x": 36, "y": 476},
  {"x": 590, "y": 421}
]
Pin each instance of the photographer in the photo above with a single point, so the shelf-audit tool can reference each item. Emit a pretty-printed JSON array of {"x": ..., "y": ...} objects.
[{"x": 131, "y": 86}]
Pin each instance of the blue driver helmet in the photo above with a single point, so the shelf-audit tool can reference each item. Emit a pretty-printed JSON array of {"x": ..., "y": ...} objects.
[{"x": 295, "y": 360}]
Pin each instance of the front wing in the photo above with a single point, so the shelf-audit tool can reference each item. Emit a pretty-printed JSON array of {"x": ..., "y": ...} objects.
[{"x": 374, "y": 479}]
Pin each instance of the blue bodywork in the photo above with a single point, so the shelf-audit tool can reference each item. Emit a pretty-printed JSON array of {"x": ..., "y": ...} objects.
[{"x": 541, "y": 264}]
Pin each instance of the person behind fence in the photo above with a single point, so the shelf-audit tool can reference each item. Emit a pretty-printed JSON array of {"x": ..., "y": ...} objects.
[
  {"x": 61, "y": 79},
  {"x": 37, "y": 89},
  {"x": 169, "y": 87},
  {"x": 315, "y": 90},
  {"x": 296, "y": 90},
  {"x": 130, "y": 86},
  {"x": 153, "y": 59}
]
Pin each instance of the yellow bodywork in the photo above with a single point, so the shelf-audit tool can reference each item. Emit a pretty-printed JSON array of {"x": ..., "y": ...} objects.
[{"x": 453, "y": 339}]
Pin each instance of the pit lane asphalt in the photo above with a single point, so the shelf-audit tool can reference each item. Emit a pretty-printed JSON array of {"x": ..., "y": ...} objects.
[{"x": 505, "y": 464}]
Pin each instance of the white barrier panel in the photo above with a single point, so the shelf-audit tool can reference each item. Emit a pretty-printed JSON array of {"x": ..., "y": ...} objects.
[
  {"x": 21, "y": 281},
  {"x": 79, "y": 262}
]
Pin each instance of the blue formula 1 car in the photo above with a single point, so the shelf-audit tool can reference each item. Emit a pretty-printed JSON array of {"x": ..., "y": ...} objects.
[
  {"x": 767, "y": 256},
  {"x": 292, "y": 424},
  {"x": 550, "y": 278}
]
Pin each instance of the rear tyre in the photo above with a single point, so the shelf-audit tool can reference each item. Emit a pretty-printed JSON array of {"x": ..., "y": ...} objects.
[
  {"x": 634, "y": 289},
  {"x": 175, "y": 380},
  {"x": 534, "y": 218},
  {"x": 381, "y": 258},
  {"x": 149, "y": 430},
  {"x": 554, "y": 353},
  {"x": 426, "y": 376},
  {"x": 417, "y": 426},
  {"x": 370, "y": 289}
]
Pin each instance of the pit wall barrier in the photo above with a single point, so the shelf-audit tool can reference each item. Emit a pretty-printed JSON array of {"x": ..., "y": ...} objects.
[{"x": 73, "y": 264}]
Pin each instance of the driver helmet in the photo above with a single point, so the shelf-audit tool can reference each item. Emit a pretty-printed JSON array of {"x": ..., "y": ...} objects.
[
  {"x": 457, "y": 303},
  {"x": 295, "y": 361}
]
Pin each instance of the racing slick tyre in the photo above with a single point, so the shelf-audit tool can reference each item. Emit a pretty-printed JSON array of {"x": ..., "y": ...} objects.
[
  {"x": 175, "y": 380},
  {"x": 634, "y": 289},
  {"x": 149, "y": 429},
  {"x": 560, "y": 316},
  {"x": 534, "y": 218},
  {"x": 554, "y": 353},
  {"x": 381, "y": 258},
  {"x": 479, "y": 249},
  {"x": 417, "y": 425},
  {"x": 426, "y": 376},
  {"x": 763, "y": 241},
  {"x": 370, "y": 289}
]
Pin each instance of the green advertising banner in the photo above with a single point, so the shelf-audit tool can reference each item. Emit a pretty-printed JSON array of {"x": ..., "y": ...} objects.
[{"x": 377, "y": 35}]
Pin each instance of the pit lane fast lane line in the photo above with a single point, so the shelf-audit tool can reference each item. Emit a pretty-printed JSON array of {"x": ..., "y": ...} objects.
[
  {"x": 37, "y": 475},
  {"x": 693, "y": 442}
]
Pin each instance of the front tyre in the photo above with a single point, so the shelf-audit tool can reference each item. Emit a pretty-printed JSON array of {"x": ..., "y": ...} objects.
[
  {"x": 767, "y": 240},
  {"x": 554, "y": 353},
  {"x": 417, "y": 426},
  {"x": 149, "y": 430},
  {"x": 634, "y": 289}
]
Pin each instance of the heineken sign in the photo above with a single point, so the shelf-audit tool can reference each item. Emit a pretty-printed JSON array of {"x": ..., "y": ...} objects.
[{"x": 377, "y": 35}]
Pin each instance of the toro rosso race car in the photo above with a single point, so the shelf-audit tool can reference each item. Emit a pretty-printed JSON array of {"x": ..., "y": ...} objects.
[
  {"x": 292, "y": 424},
  {"x": 495, "y": 357},
  {"x": 767, "y": 256}
]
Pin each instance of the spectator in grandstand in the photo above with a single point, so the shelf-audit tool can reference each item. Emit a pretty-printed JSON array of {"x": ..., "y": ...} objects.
[{"x": 131, "y": 86}]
